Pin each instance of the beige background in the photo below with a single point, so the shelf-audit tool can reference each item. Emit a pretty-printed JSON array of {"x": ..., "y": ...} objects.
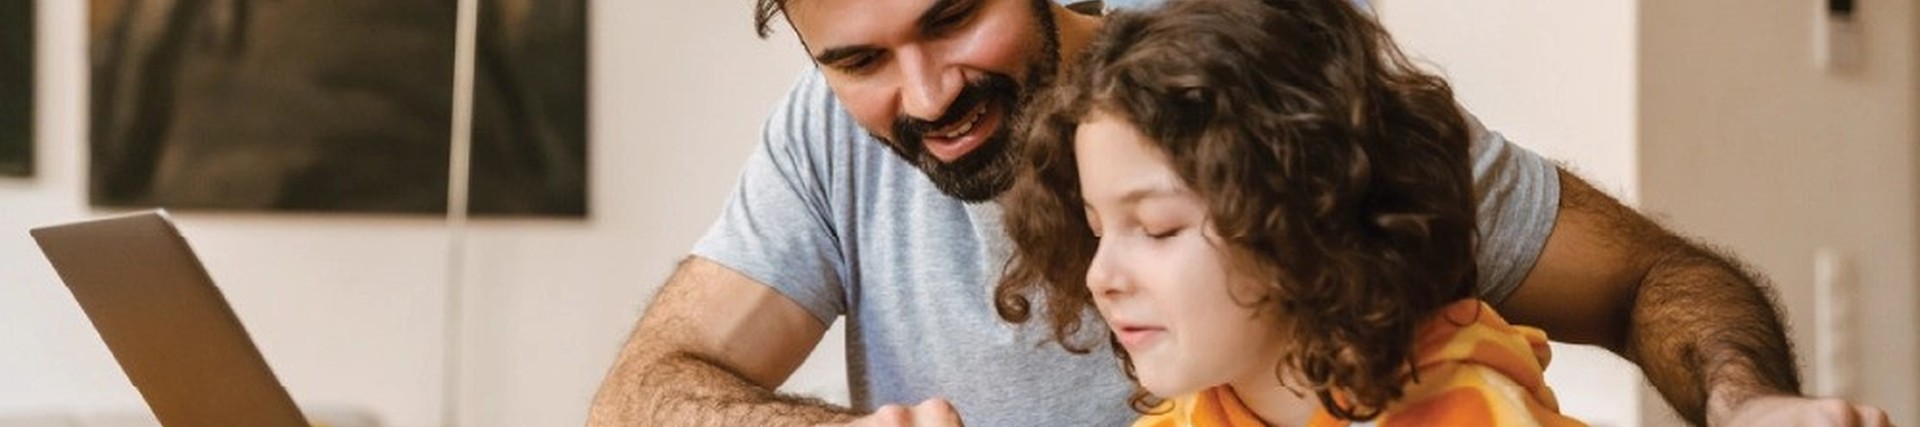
[{"x": 1709, "y": 112}]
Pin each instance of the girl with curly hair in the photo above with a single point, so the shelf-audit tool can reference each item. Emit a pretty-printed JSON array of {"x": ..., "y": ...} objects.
[{"x": 1271, "y": 209}]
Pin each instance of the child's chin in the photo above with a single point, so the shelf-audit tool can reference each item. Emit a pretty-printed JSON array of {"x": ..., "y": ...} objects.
[{"x": 1166, "y": 386}]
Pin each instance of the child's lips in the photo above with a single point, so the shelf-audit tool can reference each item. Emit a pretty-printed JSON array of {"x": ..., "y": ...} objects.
[{"x": 1137, "y": 336}]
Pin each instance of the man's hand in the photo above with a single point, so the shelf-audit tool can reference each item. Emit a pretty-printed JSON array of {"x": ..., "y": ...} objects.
[
  {"x": 935, "y": 412},
  {"x": 1782, "y": 410}
]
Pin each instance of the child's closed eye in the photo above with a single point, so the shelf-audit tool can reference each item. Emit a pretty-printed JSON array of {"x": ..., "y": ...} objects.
[{"x": 1162, "y": 235}]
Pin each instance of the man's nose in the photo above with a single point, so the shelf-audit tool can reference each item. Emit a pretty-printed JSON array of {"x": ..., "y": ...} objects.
[{"x": 927, "y": 87}]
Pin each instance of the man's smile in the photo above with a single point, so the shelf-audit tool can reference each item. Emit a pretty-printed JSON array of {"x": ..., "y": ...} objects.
[{"x": 953, "y": 141}]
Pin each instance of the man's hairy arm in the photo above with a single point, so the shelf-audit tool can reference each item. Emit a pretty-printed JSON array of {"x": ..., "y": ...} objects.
[
  {"x": 1706, "y": 332},
  {"x": 708, "y": 352}
]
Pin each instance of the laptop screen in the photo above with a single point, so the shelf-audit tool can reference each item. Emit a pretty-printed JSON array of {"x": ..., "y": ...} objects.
[{"x": 166, "y": 323}]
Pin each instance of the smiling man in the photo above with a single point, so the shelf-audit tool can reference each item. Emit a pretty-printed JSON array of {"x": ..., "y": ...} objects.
[
  {"x": 942, "y": 100},
  {"x": 871, "y": 197}
]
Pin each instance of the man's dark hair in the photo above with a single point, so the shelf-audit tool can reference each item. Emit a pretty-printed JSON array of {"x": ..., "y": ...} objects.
[{"x": 763, "y": 13}]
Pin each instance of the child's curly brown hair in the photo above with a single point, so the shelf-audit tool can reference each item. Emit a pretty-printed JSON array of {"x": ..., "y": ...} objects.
[{"x": 1331, "y": 167}]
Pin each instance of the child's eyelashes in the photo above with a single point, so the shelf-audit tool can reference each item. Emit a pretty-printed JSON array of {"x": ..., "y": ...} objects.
[
  {"x": 1163, "y": 235},
  {"x": 1150, "y": 234}
]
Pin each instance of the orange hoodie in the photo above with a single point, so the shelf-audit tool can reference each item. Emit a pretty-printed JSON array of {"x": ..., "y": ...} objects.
[{"x": 1474, "y": 370}]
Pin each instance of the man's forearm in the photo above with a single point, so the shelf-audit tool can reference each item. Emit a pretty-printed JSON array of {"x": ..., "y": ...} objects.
[
  {"x": 1705, "y": 331},
  {"x": 682, "y": 389},
  {"x": 1708, "y": 333}
]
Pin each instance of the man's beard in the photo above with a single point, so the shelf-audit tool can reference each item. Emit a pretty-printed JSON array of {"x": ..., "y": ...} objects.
[{"x": 987, "y": 171}]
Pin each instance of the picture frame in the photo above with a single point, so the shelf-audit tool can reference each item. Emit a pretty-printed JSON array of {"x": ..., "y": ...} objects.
[{"x": 334, "y": 106}]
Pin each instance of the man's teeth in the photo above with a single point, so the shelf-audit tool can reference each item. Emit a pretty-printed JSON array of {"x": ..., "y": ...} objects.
[{"x": 966, "y": 125}]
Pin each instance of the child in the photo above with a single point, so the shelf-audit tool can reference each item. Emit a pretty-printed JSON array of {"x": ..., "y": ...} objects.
[{"x": 1271, "y": 210}]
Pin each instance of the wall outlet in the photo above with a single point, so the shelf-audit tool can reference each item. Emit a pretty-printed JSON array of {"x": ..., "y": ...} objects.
[{"x": 1834, "y": 290}]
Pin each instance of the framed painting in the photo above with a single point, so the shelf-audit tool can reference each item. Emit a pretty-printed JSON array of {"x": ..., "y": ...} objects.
[
  {"x": 334, "y": 105},
  {"x": 16, "y": 88}
]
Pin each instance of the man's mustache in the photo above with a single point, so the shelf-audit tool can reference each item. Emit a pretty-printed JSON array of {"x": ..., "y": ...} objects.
[{"x": 909, "y": 130}]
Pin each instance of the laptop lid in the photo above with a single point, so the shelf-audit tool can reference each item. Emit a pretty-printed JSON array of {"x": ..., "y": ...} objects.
[{"x": 166, "y": 323}]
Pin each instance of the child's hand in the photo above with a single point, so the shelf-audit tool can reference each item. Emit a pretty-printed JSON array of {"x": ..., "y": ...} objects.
[{"x": 935, "y": 412}]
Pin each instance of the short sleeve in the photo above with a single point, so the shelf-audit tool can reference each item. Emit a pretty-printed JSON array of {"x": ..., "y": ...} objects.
[
  {"x": 776, "y": 228},
  {"x": 1517, "y": 199}
]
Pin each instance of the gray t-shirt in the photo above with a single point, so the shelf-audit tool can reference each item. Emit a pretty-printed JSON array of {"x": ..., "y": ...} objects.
[{"x": 832, "y": 219}]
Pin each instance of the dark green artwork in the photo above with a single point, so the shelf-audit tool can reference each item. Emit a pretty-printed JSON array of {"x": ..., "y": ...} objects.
[
  {"x": 16, "y": 87},
  {"x": 334, "y": 105}
]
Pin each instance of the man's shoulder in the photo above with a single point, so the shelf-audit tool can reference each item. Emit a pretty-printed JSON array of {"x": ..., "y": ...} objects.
[
  {"x": 810, "y": 124},
  {"x": 810, "y": 102},
  {"x": 814, "y": 139}
]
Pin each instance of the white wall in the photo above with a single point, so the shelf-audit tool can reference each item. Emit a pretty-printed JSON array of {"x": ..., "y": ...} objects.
[
  {"x": 347, "y": 308},
  {"x": 1747, "y": 143},
  {"x": 1556, "y": 78},
  {"x": 1712, "y": 116}
]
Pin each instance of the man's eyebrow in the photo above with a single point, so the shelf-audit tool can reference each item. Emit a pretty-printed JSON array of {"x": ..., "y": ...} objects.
[
  {"x": 927, "y": 20},
  {"x": 939, "y": 10},
  {"x": 835, "y": 54}
]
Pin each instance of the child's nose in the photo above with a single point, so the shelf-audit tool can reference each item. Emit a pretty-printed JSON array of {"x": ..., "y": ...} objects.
[{"x": 1105, "y": 279}]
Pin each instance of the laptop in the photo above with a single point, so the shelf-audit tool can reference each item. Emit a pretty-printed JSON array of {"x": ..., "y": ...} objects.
[{"x": 166, "y": 323}]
